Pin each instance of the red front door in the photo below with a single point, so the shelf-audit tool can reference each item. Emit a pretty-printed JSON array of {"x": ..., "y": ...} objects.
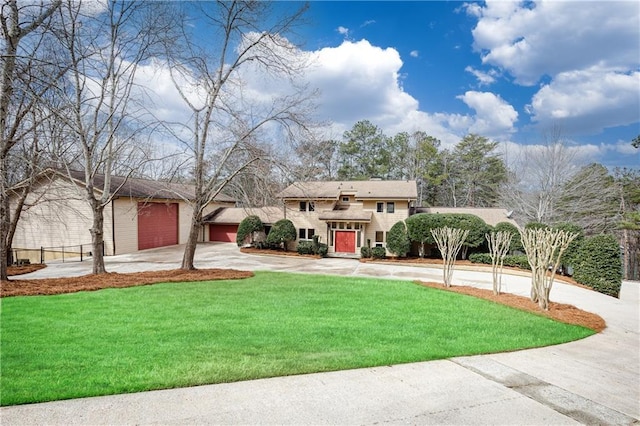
[{"x": 345, "y": 242}]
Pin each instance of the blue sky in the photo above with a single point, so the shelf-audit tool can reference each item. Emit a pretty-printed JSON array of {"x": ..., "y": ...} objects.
[{"x": 506, "y": 70}]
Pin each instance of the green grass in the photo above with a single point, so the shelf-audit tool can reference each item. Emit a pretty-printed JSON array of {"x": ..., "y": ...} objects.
[{"x": 172, "y": 335}]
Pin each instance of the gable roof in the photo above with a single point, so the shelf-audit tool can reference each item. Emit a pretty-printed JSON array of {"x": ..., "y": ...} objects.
[
  {"x": 364, "y": 189},
  {"x": 142, "y": 188}
]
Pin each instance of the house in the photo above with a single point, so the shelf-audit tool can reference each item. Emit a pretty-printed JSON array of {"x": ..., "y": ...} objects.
[
  {"x": 142, "y": 213},
  {"x": 345, "y": 215}
]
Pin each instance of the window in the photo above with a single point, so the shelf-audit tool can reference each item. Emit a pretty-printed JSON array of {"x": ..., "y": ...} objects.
[
  {"x": 379, "y": 238},
  {"x": 303, "y": 206},
  {"x": 380, "y": 207},
  {"x": 391, "y": 207},
  {"x": 312, "y": 206},
  {"x": 345, "y": 199},
  {"x": 306, "y": 234}
]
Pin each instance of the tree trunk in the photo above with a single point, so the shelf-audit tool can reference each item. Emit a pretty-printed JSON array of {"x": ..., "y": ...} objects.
[
  {"x": 4, "y": 224},
  {"x": 192, "y": 241},
  {"x": 97, "y": 238}
]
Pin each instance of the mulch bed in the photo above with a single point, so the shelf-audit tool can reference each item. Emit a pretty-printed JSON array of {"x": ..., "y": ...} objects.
[
  {"x": 24, "y": 269},
  {"x": 50, "y": 286},
  {"x": 558, "y": 311}
]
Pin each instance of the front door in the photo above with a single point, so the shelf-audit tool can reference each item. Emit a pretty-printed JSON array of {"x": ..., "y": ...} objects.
[{"x": 345, "y": 242}]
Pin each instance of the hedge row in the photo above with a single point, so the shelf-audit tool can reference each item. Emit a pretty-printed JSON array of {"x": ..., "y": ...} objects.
[{"x": 517, "y": 261}]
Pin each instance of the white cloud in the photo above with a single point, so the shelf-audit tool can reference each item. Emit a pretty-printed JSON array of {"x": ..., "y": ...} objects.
[
  {"x": 414, "y": 53},
  {"x": 484, "y": 78},
  {"x": 360, "y": 81},
  {"x": 588, "y": 100},
  {"x": 546, "y": 37},
  {"x": 494, "y": 116},
  {"x": 343, "y": 30}
]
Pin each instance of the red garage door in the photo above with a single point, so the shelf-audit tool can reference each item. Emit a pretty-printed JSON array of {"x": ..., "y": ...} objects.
[
  {"x": 224, "y": 233},
  {"x": 157, "y": 225}
]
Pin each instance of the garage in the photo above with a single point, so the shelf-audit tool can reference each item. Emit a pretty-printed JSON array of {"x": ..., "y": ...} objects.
[
  {"x": 223, "y": 233},
  {"x": 157, "y": 225}
]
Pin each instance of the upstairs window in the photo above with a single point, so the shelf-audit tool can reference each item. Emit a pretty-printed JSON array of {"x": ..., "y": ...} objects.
[
  {"x": 303, "y": 206},
  {"x": 312, "y": 206},
  {"x": 391, "y": 207},
  {"x": 380, "y": 207}
]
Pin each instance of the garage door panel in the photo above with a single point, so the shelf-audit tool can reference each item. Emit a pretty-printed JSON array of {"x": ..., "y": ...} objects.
[
  {"x": 157, "y": 225},
  {"x": 223, "y": 233}
]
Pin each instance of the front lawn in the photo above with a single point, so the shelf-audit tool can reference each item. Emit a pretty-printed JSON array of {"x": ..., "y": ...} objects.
[{"x": 180, "y": 334}]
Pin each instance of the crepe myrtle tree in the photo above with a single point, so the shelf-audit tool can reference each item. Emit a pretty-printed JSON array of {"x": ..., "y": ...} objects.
[
  {"x": 449, "y": 241},
  {"x": 499, "y": 243},
  {"x": 544, "y": 248}
]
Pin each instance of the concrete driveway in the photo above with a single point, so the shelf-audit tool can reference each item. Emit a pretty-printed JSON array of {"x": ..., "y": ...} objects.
[{"x": 592, "y": 381}]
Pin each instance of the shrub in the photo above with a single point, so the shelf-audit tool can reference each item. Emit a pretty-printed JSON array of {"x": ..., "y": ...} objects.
[
  {"x": 598, "y": 264},
  {"x": 378, "y": 252},
  {"x": 569, "y": 257},
  {"x": 398, "y": 239},
  {"x": 282, "y": 232},
  {"x": 535, "y": 225},
  {"x": 516, "y": 261},
  {"x": 305, "y": 247},
  {"x": 480, "y": 258},
  {"x": 247, "y": 227},
  {"x": 365, "y": 252},
  {"x": 516, "y": 242},
  {"x": 309, "y": 247}
]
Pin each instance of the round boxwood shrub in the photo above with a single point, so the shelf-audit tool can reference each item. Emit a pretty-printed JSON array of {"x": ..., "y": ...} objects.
[
  {"x": 378, "y": 252},
  {"x": 247, "y": 227},
  {"x": 365, "y": 252},
  {"x": 398, "y": 239},
  {"x": 598, "y": 264},
  {"x": 282, "y": 232}
]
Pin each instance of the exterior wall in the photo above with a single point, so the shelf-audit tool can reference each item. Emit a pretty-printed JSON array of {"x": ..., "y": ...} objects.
[
  {"x": 379, "y": 221},
  {"x": 383, "y": 221},
  {"x": 125, "y": 212},
  {"x": 59, "y": 216},
  {"x": 307, "y": 219}
]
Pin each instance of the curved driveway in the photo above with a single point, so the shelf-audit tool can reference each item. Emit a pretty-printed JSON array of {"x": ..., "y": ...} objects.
[{"x": 592, "y": 381}]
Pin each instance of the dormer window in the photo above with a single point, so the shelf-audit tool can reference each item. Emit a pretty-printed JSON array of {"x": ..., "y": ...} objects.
[{"x": 345, "y": 199}]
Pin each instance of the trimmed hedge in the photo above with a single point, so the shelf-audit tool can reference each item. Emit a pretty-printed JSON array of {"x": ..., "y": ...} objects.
[
  {"x": 312, "y": 247},
  {"x": 282, "y": 232},
  {"x": 598, "y": 264},
  {"x": 398, "y": 239},
  {"x": 248, "y": 226},
  {"x": 365, "y": 252},
  {"x": 516, "y": 261},
  {"x": 378, "y": 252}
]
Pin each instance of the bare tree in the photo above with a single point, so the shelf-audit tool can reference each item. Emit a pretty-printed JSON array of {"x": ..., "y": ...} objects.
[
  {"x": 544, "y": 248},
  {"x": 499, "y": 243},
  {"x": 227, "y": 115},
  {"x": 537, "y": 182},
  {"x": 104, "y": 49},
  {"x": 18, "y": 93},
  {"x": 449, "y": 241}
]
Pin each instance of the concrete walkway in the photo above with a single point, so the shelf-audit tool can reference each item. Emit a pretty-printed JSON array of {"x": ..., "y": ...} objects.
[{"x": 592, "y": 381}]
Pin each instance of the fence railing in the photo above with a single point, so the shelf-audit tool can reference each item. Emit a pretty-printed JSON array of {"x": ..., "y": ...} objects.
[{"x": 73, "y": 253}]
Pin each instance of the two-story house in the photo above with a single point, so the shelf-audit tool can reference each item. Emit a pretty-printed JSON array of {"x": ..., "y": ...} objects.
[{"x": 347, "y": 215}]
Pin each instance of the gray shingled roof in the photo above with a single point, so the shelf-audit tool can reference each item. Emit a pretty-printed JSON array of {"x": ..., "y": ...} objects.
[
  {"x": 145, "y": 188},
  {"x": 366, "y": 189},
  {"x": 234, "y": 215}
]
